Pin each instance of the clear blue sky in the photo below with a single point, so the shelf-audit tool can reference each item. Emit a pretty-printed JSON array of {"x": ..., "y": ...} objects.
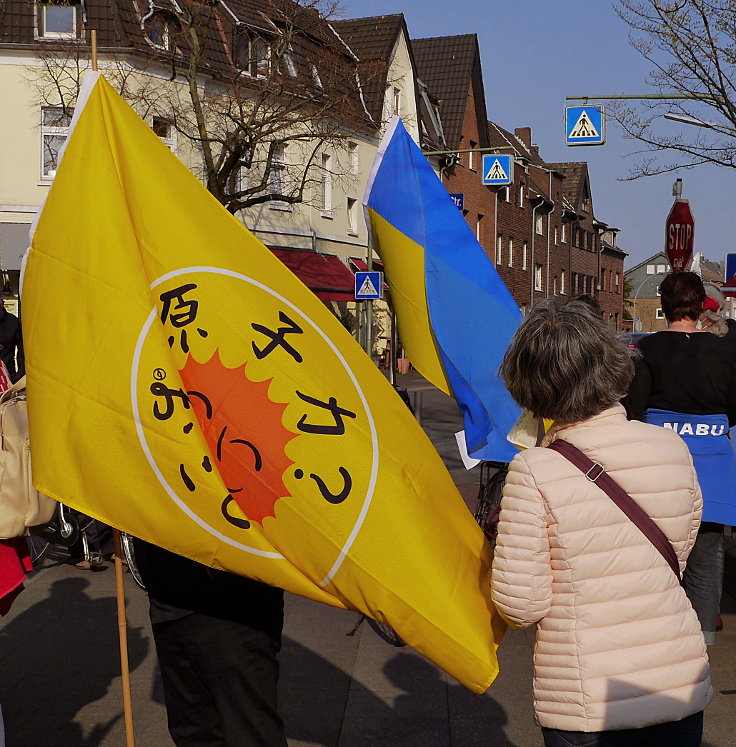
[{"x": 536, "y": 52}]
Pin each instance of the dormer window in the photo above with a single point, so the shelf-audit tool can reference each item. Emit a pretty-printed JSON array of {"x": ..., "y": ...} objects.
[
  {"x": 159, "y": 28},
  {"x": 58, "y": 20},
  {"x": 315, "y": 77},
  {"x": 289, "y": 64},
  {"x": 252, "y": 55},
  {"x": 585, "y": 205}
]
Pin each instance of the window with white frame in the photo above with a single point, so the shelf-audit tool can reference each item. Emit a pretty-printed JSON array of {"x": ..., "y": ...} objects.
[
  {"x": 55, "y": 123},
  {"x": 352, "y": 216},
  {"x": 165, "y": 130},
  {"x": 537, "y": 277},
  {"x": 661, "y": 269},
  {"x": 479, "y": 228},
  {"x": 277, "y": 178},
  {"x": 353, "y": 158},
  {"x": 563, "y": 277},
  {"x": 511, "y": 252},
  {"x": 261, "y": 57},
  {"x": 659, "y": 314},
  {"x": 563, "y": 232},
  {"x": 58, "y": 19},
  {"x": 557, "y": 236},
  {"x": 618, "y": 280},
  {"x": 651, "y": 270},
  {"x": 325, "y": 202},
  {"x": 554, "y": 285},
  {"x": 158, "y": 28},
  {"x": 397, "y": 101},
  {"x": 539, "y": 224},
  {"x": 521, "y": 195},
  {"x": 524, "y": 251},
  {"x": 499, "y": 248},
  {"x": 504, "y": 194},
  {"x": 523, "y": 309}
]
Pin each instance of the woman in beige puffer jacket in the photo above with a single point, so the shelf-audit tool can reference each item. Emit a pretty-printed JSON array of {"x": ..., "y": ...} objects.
[{"x": 618, "y": 644}]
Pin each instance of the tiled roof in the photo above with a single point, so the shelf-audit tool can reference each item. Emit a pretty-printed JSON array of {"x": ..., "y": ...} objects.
[
  {"x": 574, "y": 173},
  {"x": 372, "y": 40},
  {"x": 498, "y": 137},
  {"x": 119, "y": 25},
  {"x": 446, "y": 65}
]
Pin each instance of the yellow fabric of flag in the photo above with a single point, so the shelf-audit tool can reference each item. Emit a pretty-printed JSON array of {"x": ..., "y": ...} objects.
[{"x": 187, "y": 388}]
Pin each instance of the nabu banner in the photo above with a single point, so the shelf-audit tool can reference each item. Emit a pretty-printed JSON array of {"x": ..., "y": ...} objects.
[{"x": 187, "y": 388}]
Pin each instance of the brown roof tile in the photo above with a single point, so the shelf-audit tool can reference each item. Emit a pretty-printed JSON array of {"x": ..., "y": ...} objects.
[
  {"x": 372, "y": 40},
  {"x": 445, "y": 64}
]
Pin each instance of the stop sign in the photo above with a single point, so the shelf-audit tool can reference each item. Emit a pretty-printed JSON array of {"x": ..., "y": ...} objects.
[{"x": 679, "y": 235}]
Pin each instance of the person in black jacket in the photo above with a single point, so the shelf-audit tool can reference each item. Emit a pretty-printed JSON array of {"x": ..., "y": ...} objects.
[
  {"x": 11, "y": 340},
  {"x": 217, "y": 636},
  {"x": 686, "y": 380}
]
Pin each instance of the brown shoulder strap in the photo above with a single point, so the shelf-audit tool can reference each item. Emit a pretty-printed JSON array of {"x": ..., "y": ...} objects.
[{"x": 597, "y": 474}]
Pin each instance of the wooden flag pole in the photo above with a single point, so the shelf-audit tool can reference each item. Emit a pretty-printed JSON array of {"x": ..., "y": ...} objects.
[
  {"x": 123, "y": 636},
  {"x": 93, "y": 42},
  {"x": 119, "y": 580}
]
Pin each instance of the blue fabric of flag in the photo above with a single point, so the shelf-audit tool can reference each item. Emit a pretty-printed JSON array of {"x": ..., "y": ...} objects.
[{"x": 472, "y": 314}]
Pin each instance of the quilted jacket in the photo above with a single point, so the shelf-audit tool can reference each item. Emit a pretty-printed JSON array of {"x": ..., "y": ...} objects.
[{"x": 618, "y": 645}]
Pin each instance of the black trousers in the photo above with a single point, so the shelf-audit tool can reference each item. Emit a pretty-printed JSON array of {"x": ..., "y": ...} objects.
[{"x": 220, "y": 679}]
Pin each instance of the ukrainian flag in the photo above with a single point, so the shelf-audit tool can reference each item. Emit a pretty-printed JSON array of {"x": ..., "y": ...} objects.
[{"x": 456, "y": 317}]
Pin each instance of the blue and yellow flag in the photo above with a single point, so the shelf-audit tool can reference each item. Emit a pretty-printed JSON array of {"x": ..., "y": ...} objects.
[
  {"x": 185, "y": 387},
  {"x": 456, "y": 317}
]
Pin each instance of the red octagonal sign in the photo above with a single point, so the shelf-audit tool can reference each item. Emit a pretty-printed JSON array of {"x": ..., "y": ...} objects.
[{"x": 679, "y": 235}]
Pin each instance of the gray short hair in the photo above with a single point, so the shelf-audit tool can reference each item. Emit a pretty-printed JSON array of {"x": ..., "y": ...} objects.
[{"x": 564, "y": 363}]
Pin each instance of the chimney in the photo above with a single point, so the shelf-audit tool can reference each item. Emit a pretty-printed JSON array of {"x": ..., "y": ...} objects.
[{"x": 525, "y": 135}]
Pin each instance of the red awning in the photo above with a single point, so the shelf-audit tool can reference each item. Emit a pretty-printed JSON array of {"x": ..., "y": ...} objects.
[
  {"x": 324, "y": 274},
  {"x": 362, "y": 266}
]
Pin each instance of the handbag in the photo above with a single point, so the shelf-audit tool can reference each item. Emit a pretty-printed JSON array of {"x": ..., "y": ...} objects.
[
  {"x": 21, "y": 505},
  {"x": 597, "y": 474}
]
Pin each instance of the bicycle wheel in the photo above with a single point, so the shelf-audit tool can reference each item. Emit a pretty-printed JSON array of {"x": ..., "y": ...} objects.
[
  {"x": 38, "y": 548},
  {"x": 129, "y": 552},
  {"x": 386, "y": 632},
  {"x": 489, "y": 498}
]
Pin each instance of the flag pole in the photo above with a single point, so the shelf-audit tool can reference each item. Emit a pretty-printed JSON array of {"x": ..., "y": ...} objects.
[
  {"x": 119, "y": 580},
  {"x": 123, "y": 636}
]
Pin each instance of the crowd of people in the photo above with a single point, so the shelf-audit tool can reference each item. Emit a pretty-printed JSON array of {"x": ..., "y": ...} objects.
[{"x": 610, "y": 541}]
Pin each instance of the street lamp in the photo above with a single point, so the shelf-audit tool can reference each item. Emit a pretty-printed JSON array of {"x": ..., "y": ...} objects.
[{"x": 687, "y": 119}]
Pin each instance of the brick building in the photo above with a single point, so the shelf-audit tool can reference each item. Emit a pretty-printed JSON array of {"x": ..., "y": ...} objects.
[
  {"x": 540, "y": 232},
  {"x": 450, "y": 67}
]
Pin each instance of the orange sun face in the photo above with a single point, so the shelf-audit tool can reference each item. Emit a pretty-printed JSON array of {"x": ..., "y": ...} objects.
[{"x": 244, "y": 431}]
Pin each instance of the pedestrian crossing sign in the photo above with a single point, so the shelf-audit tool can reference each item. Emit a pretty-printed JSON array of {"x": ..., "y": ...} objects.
[
  {"x": 585, "y": 125},
  {"x": 498, "y": 170},
  {"x": 368, "y": 285}
]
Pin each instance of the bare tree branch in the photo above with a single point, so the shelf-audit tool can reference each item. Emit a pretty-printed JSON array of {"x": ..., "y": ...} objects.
[{"x": 691, "y": 45}]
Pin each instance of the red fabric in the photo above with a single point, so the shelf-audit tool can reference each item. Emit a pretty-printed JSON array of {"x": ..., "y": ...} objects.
[
  {"x": 710, "y": 305},
  {"x": 15, "y": 562},
  {"x": 324, "y": 274},
  {"x": 362, "y": 266}
]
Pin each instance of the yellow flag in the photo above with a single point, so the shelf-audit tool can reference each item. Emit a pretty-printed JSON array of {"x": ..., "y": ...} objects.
[{"x": 185, "y": 387}]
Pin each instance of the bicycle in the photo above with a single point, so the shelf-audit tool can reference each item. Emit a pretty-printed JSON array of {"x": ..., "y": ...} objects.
[
  {"x": 488, "y": 508},
  {"x": 65, "y": 529}
]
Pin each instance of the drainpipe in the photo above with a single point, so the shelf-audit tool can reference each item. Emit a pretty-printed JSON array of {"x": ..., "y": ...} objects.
[
  {"x": 532, "y": 263},
  {"x": 549, "y": 227}
]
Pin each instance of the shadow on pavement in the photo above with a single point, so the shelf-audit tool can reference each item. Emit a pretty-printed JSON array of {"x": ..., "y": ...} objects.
[{"x": 75, "y": 659}]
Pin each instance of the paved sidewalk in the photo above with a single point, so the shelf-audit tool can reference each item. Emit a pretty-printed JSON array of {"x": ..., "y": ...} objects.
[{"x": 60, "y": 683}]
